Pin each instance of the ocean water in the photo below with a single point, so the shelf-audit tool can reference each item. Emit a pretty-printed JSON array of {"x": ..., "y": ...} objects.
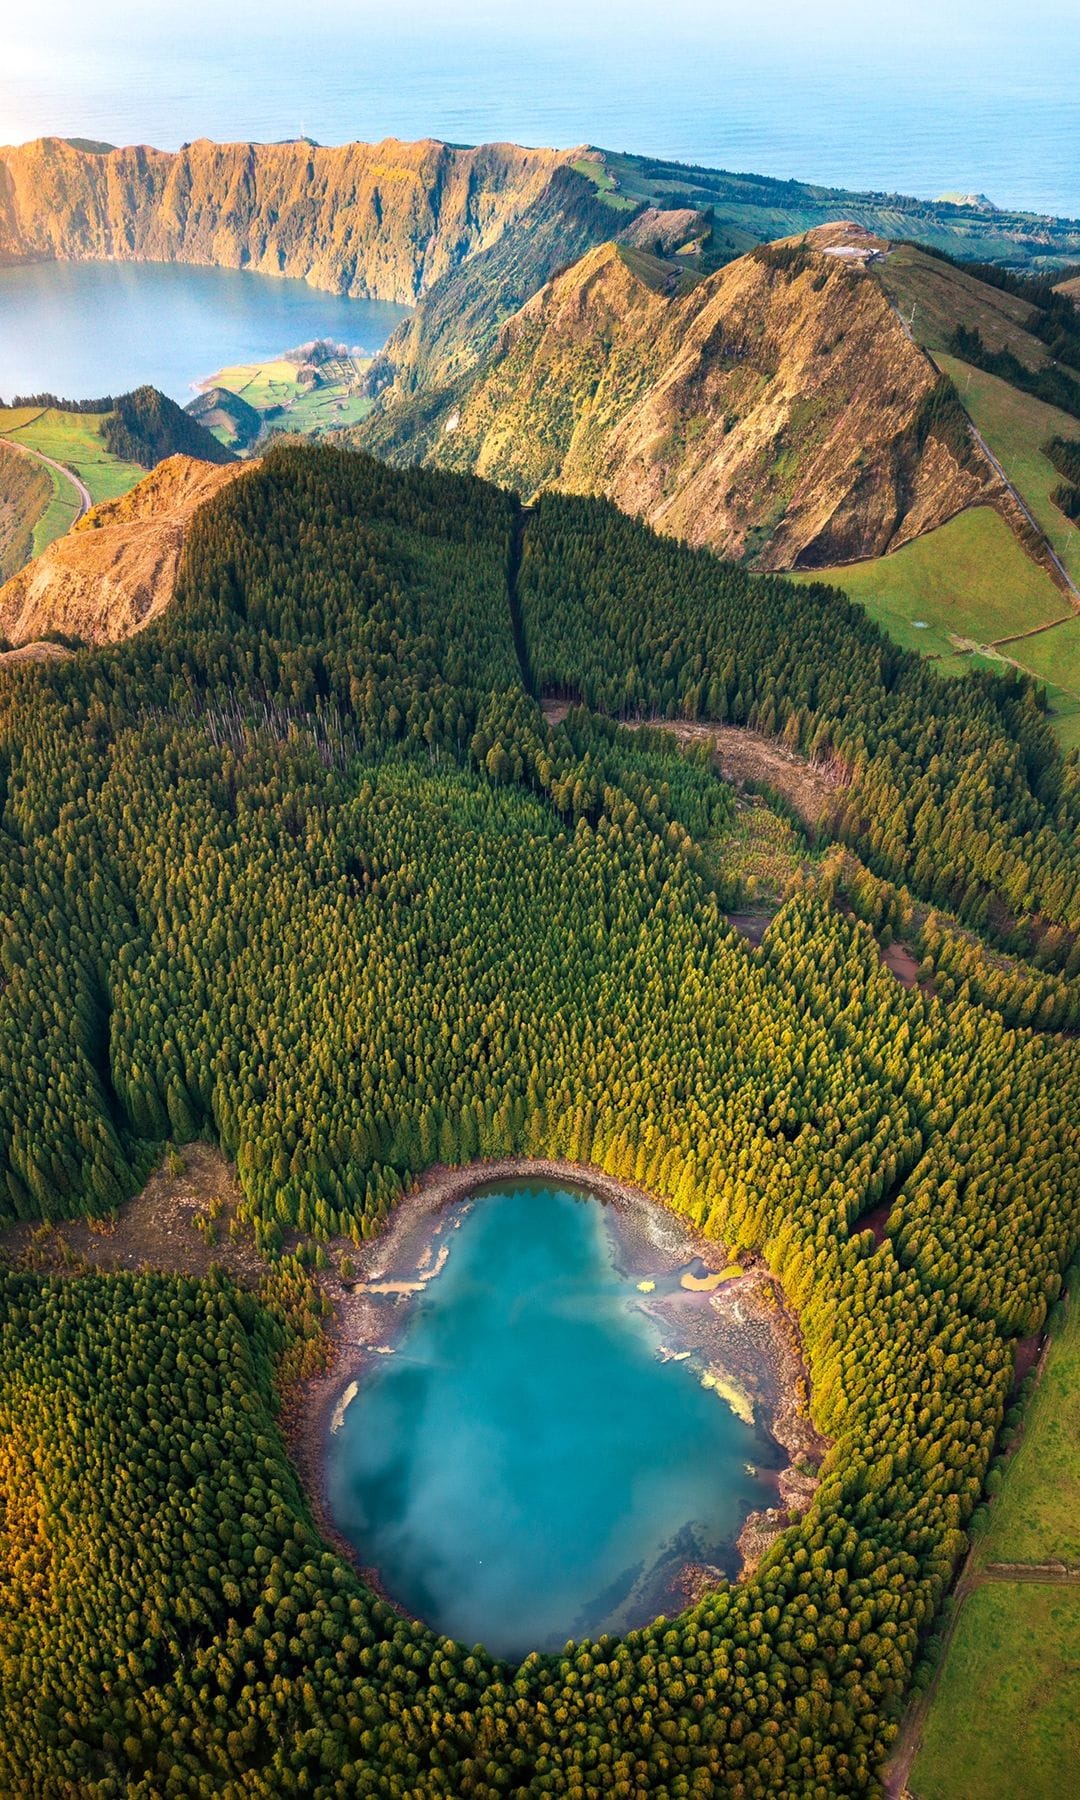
[
  {"x": 923, "y": 97},
  {"x": 81, "y": 330},
  {"x": 524, "y": 1468}
]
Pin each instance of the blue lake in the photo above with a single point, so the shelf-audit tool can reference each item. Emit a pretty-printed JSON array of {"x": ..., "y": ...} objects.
[
  {"x": 525, "y": 1467},
  {"x": 81, "y": 330}
]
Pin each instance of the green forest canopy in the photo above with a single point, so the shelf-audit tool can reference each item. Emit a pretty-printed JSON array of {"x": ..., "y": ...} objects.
[{"x": 302, "y": 868}]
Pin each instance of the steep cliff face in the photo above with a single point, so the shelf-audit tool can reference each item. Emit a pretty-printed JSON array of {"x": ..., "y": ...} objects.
[
  {"x": 457, "y": 322},
  {"x": 776, "y": 411},
  {"x": 383, "y": 220},
  {"x": 117, "y": 569}
]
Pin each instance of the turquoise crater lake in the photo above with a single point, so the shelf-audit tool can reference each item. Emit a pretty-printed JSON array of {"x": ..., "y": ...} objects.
[{"x": 538, "y": 1458}]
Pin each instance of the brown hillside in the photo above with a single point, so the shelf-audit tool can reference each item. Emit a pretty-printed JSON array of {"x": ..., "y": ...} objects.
[
  {"x": 25, "y": 492},
  {"x": 380, "y": 220},
  {"x": 776, "y": 411},
  {"x": 117, "y": 569}
]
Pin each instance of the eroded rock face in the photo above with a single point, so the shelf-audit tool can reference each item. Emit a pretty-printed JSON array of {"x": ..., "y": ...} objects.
[
  {"x": 377, "y": 220},
  {"x": 116, "y": 571},
  {"x": 776, "y": 411}
]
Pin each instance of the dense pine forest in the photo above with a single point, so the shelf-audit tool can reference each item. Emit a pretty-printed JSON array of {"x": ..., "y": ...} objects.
[
  {"x": 957, "y": 790},
  {"x": 302, "y": 869}
]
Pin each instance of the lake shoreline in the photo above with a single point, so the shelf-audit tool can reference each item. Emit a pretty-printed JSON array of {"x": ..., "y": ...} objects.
[
  {"x": 154, "y": 1230},
  {"x": 748, "y": 1311},
  {"x": 217, "y": 317}
]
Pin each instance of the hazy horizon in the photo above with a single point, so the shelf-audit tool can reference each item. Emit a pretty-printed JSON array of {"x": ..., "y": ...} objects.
[{"x": 919, "y": 99}]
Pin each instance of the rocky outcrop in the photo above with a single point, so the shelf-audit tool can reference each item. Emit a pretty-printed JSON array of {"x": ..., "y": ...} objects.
[
  {"x": 116, "y": 571},
  {"x": 666, "y": 232},
  {"x": 383, "y": 221},
  {"x": 776, "y": 411}
]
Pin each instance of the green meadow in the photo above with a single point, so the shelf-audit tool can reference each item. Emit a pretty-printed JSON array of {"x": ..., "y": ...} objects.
[
  {"x": 1017, "y": 426},
  {"x": 956, "y": 593},
  {"x": 1036, "y": 1516},
  {"x": 1005, "y": 1716},
  {"x": 1005, "y": 1719},
  {"x": 75, "y": 440}
]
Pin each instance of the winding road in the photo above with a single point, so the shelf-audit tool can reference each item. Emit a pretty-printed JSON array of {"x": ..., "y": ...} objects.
[{"x": 66, "y": 474}]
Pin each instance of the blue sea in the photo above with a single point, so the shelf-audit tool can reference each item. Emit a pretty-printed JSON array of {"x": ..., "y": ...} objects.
[{"x": 922, "y": 98}]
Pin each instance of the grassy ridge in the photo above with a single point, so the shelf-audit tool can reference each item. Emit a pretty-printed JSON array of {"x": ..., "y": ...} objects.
[
  {"x": 1017, "y": 427},
  {"x": 937, "y": 296}
]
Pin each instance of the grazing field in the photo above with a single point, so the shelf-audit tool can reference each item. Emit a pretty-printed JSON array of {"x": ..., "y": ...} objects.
[
  {"x": 1005, "y": 1717},
  {"x": 1016, "y": 426},
  {"x": 1005, "y": 1722},
  {"x": 969, "y": 579},
  {"x": 607, "y": 186},
  {"x": 960, "y": 592},
  {"x": 1036, "y": 1516},
  {"x": 1054, "y": 656},
  {"x": 274, "y": 390},
  {"x": 934, "y": 297},
  {"x": 60, "y": 514},
  {"x": 73, "y": 439}
]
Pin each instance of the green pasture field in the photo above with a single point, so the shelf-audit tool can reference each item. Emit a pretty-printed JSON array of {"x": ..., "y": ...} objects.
[
  {"x": 968, "y": 579},
  {"x": 955, "y": 593},
  {"x": 59, "y": 516},
  {"x": 605, "y": 183},
  {"x": 1036, "y": 1516},
  {"x": 1016, "y": 426},
  {"x": 75, "y": 440},
  {"x": 1054, "y": 656},
  {"x": 309, "y": 411},
  {"x": 1005, "y": 1719}
]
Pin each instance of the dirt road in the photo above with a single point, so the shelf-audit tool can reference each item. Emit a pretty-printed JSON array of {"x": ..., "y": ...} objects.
[{"x": 66, "y": 474}]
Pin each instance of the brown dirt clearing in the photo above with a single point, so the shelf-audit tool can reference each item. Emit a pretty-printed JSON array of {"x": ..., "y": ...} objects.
[{"x": 747, "y": 758}]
